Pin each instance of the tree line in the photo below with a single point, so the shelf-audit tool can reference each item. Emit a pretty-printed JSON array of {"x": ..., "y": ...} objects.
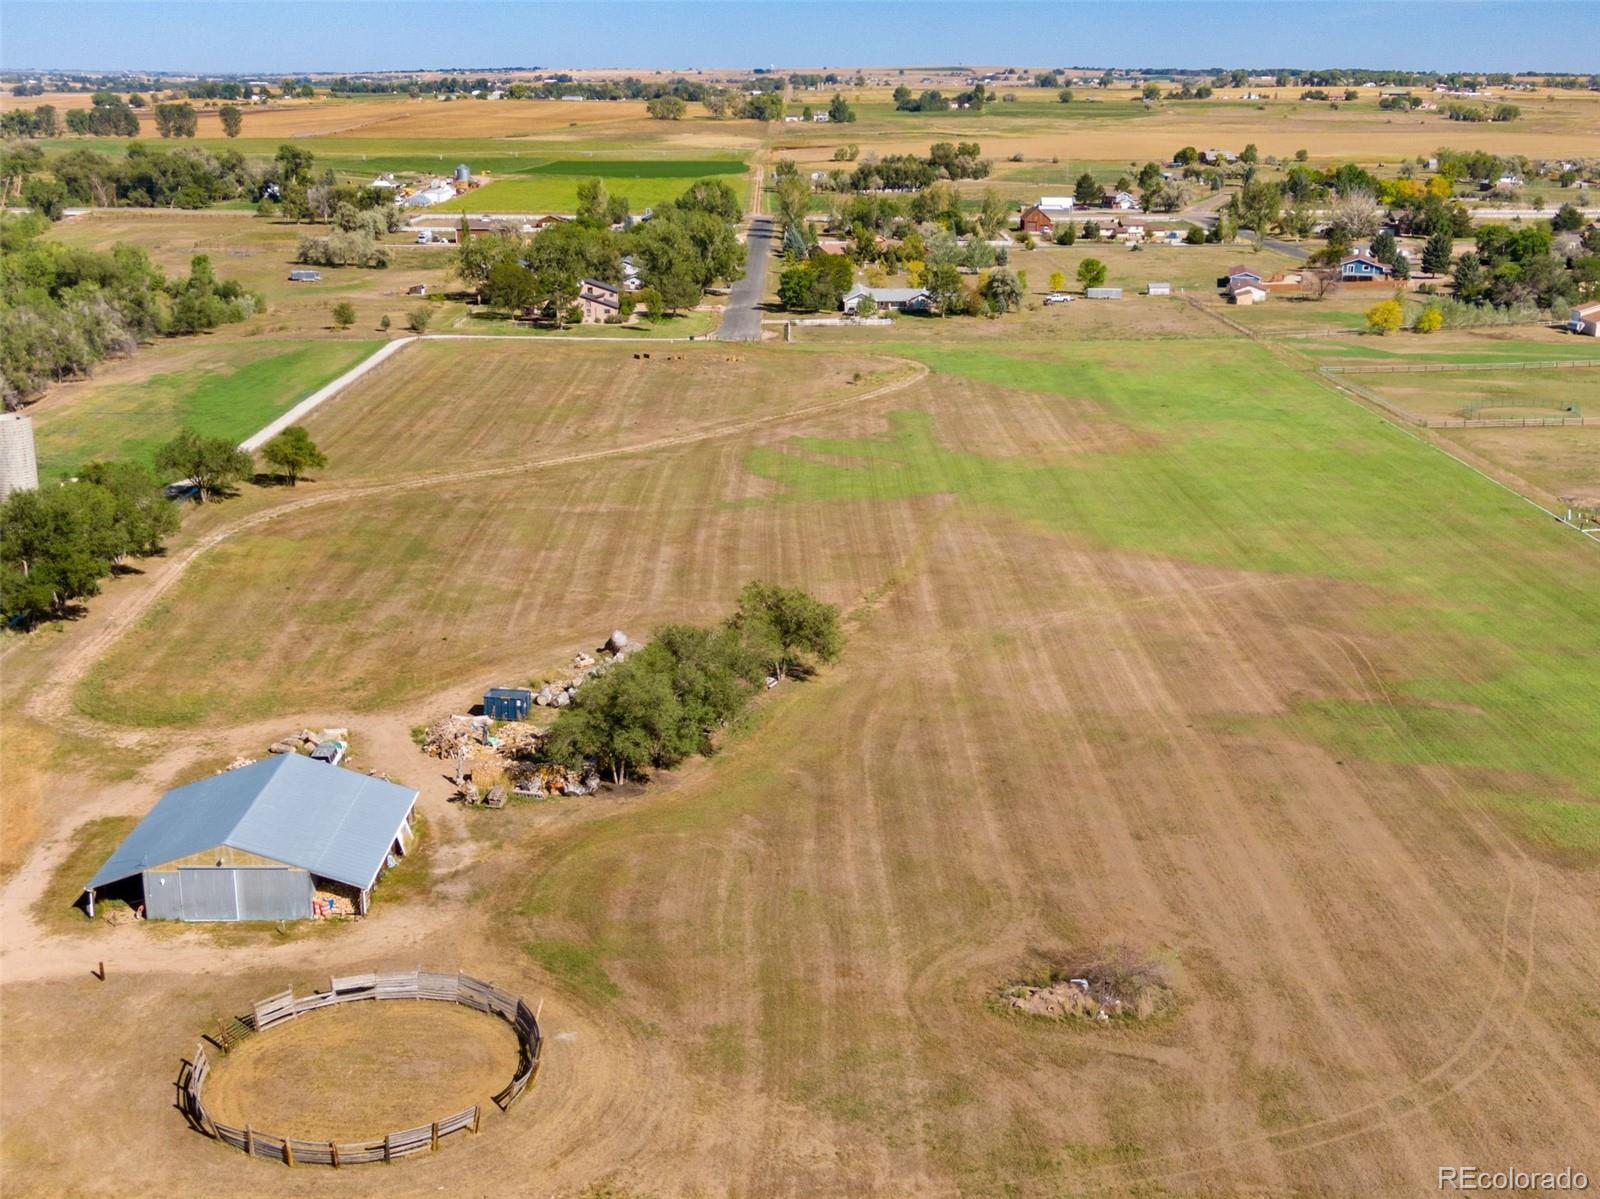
[
  {"x": 59, "y": 543},
  {"x": 669, "y": 701},
  {"x": 684, "y": 248},
  {"x": 64, "y": 309}
]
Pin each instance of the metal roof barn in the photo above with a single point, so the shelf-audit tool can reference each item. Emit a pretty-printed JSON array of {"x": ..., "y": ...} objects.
[{"x": 246, "y": 843}]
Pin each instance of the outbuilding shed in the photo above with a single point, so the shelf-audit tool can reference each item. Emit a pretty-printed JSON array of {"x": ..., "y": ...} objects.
[
  {"x": 258, "y": 842},
  {"x": 1104, "y": 293}
]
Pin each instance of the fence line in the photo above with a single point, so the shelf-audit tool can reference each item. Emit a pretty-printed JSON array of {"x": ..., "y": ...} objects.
[
  {"x": 1402, "y": 368},
  {"x": 408, "y": 984},
  {"x": 1443, "y": 422}
]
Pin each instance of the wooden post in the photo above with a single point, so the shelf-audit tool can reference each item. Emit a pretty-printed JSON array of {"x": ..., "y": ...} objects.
[
  {"x": 477, "y": 1114},
  {"x": 434, "y": 1147},
  {"x": 333, "y": 1150},
  {"x": 249, "y": 1141},
  {"x": 386, "y": 1138},
  {"x": 101, "y": 972},
  {"x": 288, "y": 1152}
]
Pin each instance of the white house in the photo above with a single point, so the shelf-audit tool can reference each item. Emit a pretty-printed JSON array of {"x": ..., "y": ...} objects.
[
  {"x": 901, "y": 299},
  {"x": 1585, "y": 319}
]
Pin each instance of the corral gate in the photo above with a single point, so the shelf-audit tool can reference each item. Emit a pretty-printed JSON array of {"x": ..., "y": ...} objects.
[{"x": 227, "y": 893}]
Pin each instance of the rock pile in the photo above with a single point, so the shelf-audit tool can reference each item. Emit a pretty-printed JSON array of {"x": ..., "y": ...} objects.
[
  {"x": 305, "y": 740},
  {"x": 584, "y": 666}
]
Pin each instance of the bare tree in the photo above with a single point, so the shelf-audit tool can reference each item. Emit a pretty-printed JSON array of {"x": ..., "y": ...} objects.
[
  {"x": 1319, "y": 284},
  {"x": 1357, "y": 211}
]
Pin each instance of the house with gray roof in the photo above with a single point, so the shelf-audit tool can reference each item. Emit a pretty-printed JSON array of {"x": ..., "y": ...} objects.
[
  {"x": 264, "y": 842},
  {"x": 901, "y": 299}
]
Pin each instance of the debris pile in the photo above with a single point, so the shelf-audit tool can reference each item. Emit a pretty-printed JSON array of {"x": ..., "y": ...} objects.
[
  {"x": 560, "y": 693},
  {"x": 1115, "y": 984},
  {"x": 305, "y": 741}
]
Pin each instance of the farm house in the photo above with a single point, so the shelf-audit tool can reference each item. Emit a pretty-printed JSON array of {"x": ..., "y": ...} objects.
[{"x": 284, "y": 838}]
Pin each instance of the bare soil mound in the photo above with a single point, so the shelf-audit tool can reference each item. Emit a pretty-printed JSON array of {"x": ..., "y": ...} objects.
[
  {"x": 363, "y": 1070},
  {"x": 1113, "y": 984}
]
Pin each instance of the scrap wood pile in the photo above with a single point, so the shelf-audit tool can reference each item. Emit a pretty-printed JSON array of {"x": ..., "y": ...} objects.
[{"x": 496, "y": 759}]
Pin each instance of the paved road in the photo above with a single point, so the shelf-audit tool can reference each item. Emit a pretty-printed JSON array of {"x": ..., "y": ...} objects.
[
  {"x": 741, "y": 319},
  {"x": 1293, "y": 249}
]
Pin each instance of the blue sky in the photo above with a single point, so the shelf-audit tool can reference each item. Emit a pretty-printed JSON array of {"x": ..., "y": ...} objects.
[{"x": 277, "y": 36}]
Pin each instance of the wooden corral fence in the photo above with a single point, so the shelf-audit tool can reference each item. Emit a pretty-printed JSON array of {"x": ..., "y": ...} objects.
[
  {"x": 1339, "y": 376},
  {"x": 425, "y": 1138}
]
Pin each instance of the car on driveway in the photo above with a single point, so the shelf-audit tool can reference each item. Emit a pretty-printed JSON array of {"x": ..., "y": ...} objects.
[{"x": 1058, "y": 297}]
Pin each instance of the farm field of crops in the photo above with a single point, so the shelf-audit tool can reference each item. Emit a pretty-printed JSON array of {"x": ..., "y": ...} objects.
[
  {"x": 553, "y": 186},
  {"x": 1287, "y": 673}
]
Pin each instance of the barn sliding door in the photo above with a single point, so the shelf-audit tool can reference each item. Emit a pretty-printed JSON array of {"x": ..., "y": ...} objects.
[
  {"x": 268, "y": 894},
  {"x": 206, "y": 893}
]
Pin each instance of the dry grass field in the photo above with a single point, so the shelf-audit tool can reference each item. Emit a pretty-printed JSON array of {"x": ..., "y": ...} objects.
[
  {"x": 1156, "y": 641},
  {"x": 1153, "y": 637},
  {"x": 363, "y": 1070}
]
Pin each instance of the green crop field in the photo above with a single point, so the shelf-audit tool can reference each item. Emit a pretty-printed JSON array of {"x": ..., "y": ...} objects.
[
  {"x": 230, "y": 392},
  {"x": 558, "y": 191},
  {"x": 642, "y": 168}
]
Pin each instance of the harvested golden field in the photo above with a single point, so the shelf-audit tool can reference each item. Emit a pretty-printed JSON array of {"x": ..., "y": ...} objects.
[{"x": 1159, "y": 642}]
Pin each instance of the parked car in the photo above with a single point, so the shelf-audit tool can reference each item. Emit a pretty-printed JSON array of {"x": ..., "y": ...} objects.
[{"x": 1058, "y": 297}]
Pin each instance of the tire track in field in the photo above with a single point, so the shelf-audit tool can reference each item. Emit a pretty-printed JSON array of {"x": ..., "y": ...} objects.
[
  {"x": 1488, "y": 1038},
  {"x": 52, "y": 701}
]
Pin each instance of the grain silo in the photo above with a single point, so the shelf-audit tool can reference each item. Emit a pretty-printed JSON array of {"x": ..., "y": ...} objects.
[
  {"x": 19, "y": 467},
  {"x": 463, "y": 173}
]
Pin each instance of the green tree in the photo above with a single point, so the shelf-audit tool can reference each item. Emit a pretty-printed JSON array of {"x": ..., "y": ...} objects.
[
  {"x": 621, "y": 721},
  {"x": 294, "y": 163},
  {"x": 796, "y": 286},
  {"x": 1568, "y": 218},
  {"x": 292, "y": 452},
  {"x": 839, "y": 111},
  {"x": 1258, "y": 204},
  {"x": 1086, "y": 191},
  {"x": 511, "y": 286},
  {"x": 1436, "y": 252},
  {"x": 344, "y": 314},
  {"x": 786, "y": 628},
  {"x": 1003, "y": 291},
  {"x": 944, "y": 287},
  {"x": 1468, "y": 280},
  {"x": 212, "y": 464},
  {"x": 176, "y": 120},
  {"x": 1066, "y": 233},
  {"x": 141, "y": 515},
  {"x": 53, "y": 550},
  {"x": 232, "y": 119},
  {"x": 1250, "y": 155},
  {"x": 1091, "y": 273},
  {"x": 667, "y": 108},
  {"x": 791, "y": 200}
]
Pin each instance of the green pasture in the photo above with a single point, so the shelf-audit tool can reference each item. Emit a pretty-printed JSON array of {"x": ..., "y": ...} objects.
[
  {"x": 241, "y": 387},
  {"x": 1246, "y": 464},
  {"x": 558, "y": 192}
]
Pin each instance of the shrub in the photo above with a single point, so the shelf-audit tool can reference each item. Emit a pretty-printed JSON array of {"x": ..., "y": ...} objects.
[
  {"x": 1431, "y": 321},
  {"x": 1385, "y": 316},
  {"x": 419, "y": 318}
]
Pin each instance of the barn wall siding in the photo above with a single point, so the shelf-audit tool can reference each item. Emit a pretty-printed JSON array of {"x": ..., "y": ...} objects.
[{"x": 227, "y": 893}]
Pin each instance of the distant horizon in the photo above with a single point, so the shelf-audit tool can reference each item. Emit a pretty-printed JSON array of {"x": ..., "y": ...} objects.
[{"x": 270, "y": 37}]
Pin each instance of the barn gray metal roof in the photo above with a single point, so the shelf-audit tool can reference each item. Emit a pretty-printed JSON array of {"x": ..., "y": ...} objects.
[{"x": 330, "y": 821}]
